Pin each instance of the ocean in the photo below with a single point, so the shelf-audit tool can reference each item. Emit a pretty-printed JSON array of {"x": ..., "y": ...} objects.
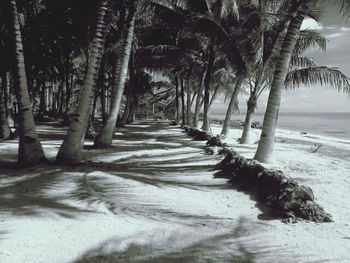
[{"x": 330, "y": 123}]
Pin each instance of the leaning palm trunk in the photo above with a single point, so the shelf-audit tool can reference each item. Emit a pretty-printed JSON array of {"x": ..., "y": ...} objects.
[
  {"x": 30, "y": 151},
  {"x": 207, "y": 80},
  {"x": 71, "y": 148},
  {"x": 265, "y": 149},
  {"x": 105, "y": 137},
  {"x": 5, "y": 130},
  {"x": 231, "y": 107},
  {"x": 251, "y": 105},
  {"x": 213, "y": 97}
]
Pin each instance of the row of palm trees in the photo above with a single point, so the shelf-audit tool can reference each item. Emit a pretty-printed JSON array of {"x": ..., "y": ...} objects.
[{"x": 198, "y": 45}]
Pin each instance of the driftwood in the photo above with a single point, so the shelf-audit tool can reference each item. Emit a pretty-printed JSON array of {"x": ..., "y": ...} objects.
[
  {"x": 272, "y": 187},
  {"x": 197, "y": 134}
]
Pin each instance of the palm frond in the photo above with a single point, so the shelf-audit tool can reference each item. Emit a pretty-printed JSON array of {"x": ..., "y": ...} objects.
[
  {"x": 301, "y": 62},
  {"x": 323, "y": 76},
  {"x": 344, "y": 8},
  {"x": 310, "y": 39}
]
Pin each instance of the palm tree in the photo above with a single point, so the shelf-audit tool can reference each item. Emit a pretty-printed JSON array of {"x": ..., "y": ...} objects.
[
  {"x": 30, "y": 151},
  {"x": 267, "y": 139},
  {"x": 306, "y": 39},
  {"x": 105, "y": 137},
  {"x": 71, "y": 148}
]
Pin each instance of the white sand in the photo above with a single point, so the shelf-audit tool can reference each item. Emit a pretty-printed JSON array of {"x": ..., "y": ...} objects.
[{"x": 156, "y": 201}]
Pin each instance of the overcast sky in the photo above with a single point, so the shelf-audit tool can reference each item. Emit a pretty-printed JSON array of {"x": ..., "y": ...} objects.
[{"x": 316, "y": 99}]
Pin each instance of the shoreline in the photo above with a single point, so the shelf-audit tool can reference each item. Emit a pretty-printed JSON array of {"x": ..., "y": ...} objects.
[{"x": 237, "y": 123}]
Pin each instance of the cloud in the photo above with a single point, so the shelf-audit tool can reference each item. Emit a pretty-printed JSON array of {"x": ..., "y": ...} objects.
[
  {"x": 345, "y": 29},
  {"x": 309, "y": 23},
  {"x": 335, "y": 35}
]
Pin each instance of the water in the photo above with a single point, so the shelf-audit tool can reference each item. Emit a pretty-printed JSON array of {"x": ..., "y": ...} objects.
[{"x": 331, "y": 123}]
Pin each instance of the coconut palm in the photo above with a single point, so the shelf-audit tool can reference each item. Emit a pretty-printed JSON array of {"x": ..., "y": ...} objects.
[
  {"x": 306, "y": 39},
  {"x": 71, "y": 148},
  {"x": 30, "y": 151},
  {"x": 104, "y": 138}
]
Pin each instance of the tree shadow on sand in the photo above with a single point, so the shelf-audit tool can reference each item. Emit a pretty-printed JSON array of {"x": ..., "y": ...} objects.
[{"x": 235, "y": 245}]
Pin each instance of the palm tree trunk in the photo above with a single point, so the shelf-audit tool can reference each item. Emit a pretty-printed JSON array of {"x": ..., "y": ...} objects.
[
  {"x": 5, "y": 130},
  {"x": 105, "y": 137},
  {"x": 71, "y": 148},
  {"x": 30, "y": 151},
  {"x": 199, "y": 100},
  {"x": 127, "y": 110},
  {"x": 188, "y": 104},
  {"x": 183, "y": 102},
  {"x": 207, "y": 81},
  {"x": 265, "y": 149},
  {"x": 213, "y": 97},
  {"x": 177, "y": 116},
  {"x": 197, "y": 108},
  {"x": 231, "y": 106},
  {"x": 251, "y": 105}
]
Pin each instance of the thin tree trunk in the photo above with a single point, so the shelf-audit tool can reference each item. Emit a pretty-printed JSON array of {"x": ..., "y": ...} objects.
[
  {"x": 183, "y": 102},
  {"x": 194, "y": 96},
  {"x": 71, "y": 148},
  {"x": 251, "y": 105},
  {"x": 213, "y": 97},
  {"x": 265, "y": 149},
  {"x": 105, "y": 137},
  {"x": 199, "y": 99},
  {"x": 90, "y": 131},
  {"x": 5, "y": 130},
  {"x": 207, "y": 81},
  {"x": 177, "y": 117},
  {"x": 30, "y": 151},
  {"x": 231, "y": 107},
  {"x": 131, "y": 117},
  {"x": 103, "y": 105},
  {"x": 188, "y": 103},
  {"x": 127, "y": 110}
]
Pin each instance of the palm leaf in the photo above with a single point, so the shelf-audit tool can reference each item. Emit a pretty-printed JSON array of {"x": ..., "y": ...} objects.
[
  {"x": 323, "y": 76},
  {"x": 301, "y": 62},
  {"x": 310, "y": 39}
]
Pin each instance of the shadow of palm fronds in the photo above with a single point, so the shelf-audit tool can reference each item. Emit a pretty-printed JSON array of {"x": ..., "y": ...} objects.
[
  {"x": 191, "y": 245},
  {"x": 30, "y": 193}
]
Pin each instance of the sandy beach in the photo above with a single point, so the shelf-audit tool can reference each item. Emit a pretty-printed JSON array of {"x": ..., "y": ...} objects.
[{"x": 153, "y": 198}]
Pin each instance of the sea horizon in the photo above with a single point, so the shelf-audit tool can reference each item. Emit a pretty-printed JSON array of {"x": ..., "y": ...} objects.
[{"x": 334, "y": 124}]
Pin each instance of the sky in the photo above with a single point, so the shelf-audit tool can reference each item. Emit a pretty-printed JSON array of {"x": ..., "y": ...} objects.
[{"x": 317, "y": 99}]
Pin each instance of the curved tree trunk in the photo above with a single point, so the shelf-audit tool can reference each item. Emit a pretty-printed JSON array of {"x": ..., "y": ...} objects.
[
  {"x": 30, "y": 151},
  {"x": 251, "y": 105},
  {"x": 5, "y": 130},
  {"x": 265, "y": 149},
  {"x": 105, "y": 137},
  {"x": 207, "y": 81},
  {"x": 71, "y": 148},
  {"x": 231, "y": 106}
]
